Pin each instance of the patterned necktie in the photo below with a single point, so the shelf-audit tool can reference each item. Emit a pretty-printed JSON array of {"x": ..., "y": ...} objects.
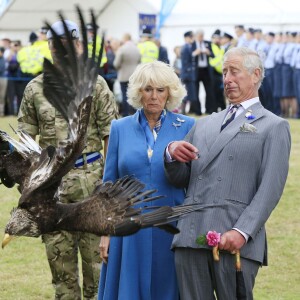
[
  {"x": 230, "y": 115},
  {"x": 201, "y": 54}
]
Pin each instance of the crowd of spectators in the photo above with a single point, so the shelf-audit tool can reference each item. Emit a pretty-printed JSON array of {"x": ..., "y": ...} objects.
[
  {"x": 201, "y": 61},
  {"x": 197, "y": 60}
]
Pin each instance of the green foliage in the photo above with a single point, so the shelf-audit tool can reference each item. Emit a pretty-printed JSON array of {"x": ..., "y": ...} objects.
[
  {"x": 201, "y": 240},
  {"x": 24, "y": 271}
]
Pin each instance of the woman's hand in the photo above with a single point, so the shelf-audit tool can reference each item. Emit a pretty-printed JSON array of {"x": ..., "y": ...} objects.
[{"x": 104, "y": 246}]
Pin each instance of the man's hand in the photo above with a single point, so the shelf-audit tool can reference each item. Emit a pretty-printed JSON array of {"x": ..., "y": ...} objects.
[
  {"x": 104, "y": 245},
  {"x": 207, "y": 52},
  {"x": 231, "y": 241},
  {"x": 196, "y": 52},
  {"x": 183, "y": 151}
]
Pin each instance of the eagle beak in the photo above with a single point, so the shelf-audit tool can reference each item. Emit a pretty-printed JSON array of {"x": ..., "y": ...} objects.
[{"x": 7, "y": 238}]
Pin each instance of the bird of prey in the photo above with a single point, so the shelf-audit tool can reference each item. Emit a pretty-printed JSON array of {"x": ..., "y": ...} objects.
[{"x": 113, "y": 208}]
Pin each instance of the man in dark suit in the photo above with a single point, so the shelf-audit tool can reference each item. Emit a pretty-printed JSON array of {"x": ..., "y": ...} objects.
[
  {"x": 162, "y": 52},
  {"x": 202, "y": 52},
  {"x": 188, "y": 72},
  {"x": 242, "y": 169}
]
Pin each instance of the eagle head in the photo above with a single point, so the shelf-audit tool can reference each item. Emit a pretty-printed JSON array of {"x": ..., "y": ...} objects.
[{"x": 21, "y": 223}]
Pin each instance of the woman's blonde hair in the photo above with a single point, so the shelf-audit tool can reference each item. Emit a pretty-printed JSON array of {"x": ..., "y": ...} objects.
[{"x": 155, "y": 74}]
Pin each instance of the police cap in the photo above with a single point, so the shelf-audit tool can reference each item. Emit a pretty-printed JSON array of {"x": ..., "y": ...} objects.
[
  {"x": 90, "y": 27},
  {"x": 146, "y": 31},
  {"x": 44, "y": 29},
  {"x": 227, "y": 35},
  {"x": 217, "y": 33},
  {"x": 33, "y": 37},
  {"x": 188, "y": 34}
]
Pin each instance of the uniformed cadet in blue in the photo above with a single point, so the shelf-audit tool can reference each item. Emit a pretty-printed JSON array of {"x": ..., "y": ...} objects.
[
  {"x": 270, "y": 66},
  {"x": 281, "y": 38},
  {"x": 261, "y": 45},
  {"x": 251, "y": 41},
  {"x": 288, "y": 100},
  {"x": 265, "y": 90},
  {"x": 240, "y": 36},
  {"x": 295, "y": 64}
]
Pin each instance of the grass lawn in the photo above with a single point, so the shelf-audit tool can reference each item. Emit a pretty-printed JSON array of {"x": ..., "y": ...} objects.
[{"x": 24, "y": 272}]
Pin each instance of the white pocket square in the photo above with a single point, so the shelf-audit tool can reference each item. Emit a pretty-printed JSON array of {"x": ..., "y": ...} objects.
[{"x": 246, "y": 127}]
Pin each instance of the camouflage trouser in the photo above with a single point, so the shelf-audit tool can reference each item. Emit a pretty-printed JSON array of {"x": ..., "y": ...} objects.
[{"x": 62, "y": 247}]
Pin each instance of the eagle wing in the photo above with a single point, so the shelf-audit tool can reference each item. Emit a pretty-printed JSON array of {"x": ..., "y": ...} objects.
[
  {"x": 16, "y": 163},
  {"x": 68, "y": 86},
  {"x": 120, "y": 209}
]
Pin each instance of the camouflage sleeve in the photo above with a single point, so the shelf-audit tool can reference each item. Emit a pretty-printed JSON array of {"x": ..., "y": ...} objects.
[
  {"x": 106, "y": 107},
  {"x": 27, "y": 116}
]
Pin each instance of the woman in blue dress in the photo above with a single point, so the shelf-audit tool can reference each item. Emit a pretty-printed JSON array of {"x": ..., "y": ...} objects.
[{"x": 141, "y": 266}]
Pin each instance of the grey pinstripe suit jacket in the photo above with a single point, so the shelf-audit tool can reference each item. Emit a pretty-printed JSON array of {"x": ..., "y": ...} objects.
[{"x": 242, "y": 173}]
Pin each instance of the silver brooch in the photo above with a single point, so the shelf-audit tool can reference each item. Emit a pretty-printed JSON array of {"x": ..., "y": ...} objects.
[
  {"x": 176, "y": 125},
  {"x": 180, "y": 120}
]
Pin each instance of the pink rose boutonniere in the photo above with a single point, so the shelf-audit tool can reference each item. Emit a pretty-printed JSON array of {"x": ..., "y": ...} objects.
[{"x": 212, "y": 239}]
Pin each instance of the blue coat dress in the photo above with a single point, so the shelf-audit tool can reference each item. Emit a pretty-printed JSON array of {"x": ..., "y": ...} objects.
[{"x": 141, "y": 266}]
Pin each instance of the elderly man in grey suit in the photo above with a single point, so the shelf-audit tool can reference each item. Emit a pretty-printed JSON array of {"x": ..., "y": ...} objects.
[
  {"x": 127, "y": 58},
  {"x": 236, "y": 160}
]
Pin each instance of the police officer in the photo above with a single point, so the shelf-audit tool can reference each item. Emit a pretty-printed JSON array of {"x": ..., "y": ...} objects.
[
  {"x": 148, "y": 49},
  {"x": 216, "y": 64},
  {"x": 42, "y": 43},
  {"x": 30, "y": 58},
  {"x": 295, "y": 64},
  {"x": 30, "y": 61},
  {"x": 90, "y": 35},
  {"x": 38, "y": 117}
]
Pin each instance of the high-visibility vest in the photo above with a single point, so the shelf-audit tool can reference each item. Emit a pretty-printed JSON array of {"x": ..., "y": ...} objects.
[
  {"x": 217, "y": 61},
  {"x": 30, "y": 59},
  {"x": 44, "y": 48},
  {"x": 149, "y": 51},
  {"x": 98, "y": 46}
]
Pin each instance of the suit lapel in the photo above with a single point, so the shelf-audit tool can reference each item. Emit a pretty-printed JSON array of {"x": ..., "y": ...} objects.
[
  {"x": 217, "y": 140},
  {"x": 213, "y": 127}
]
